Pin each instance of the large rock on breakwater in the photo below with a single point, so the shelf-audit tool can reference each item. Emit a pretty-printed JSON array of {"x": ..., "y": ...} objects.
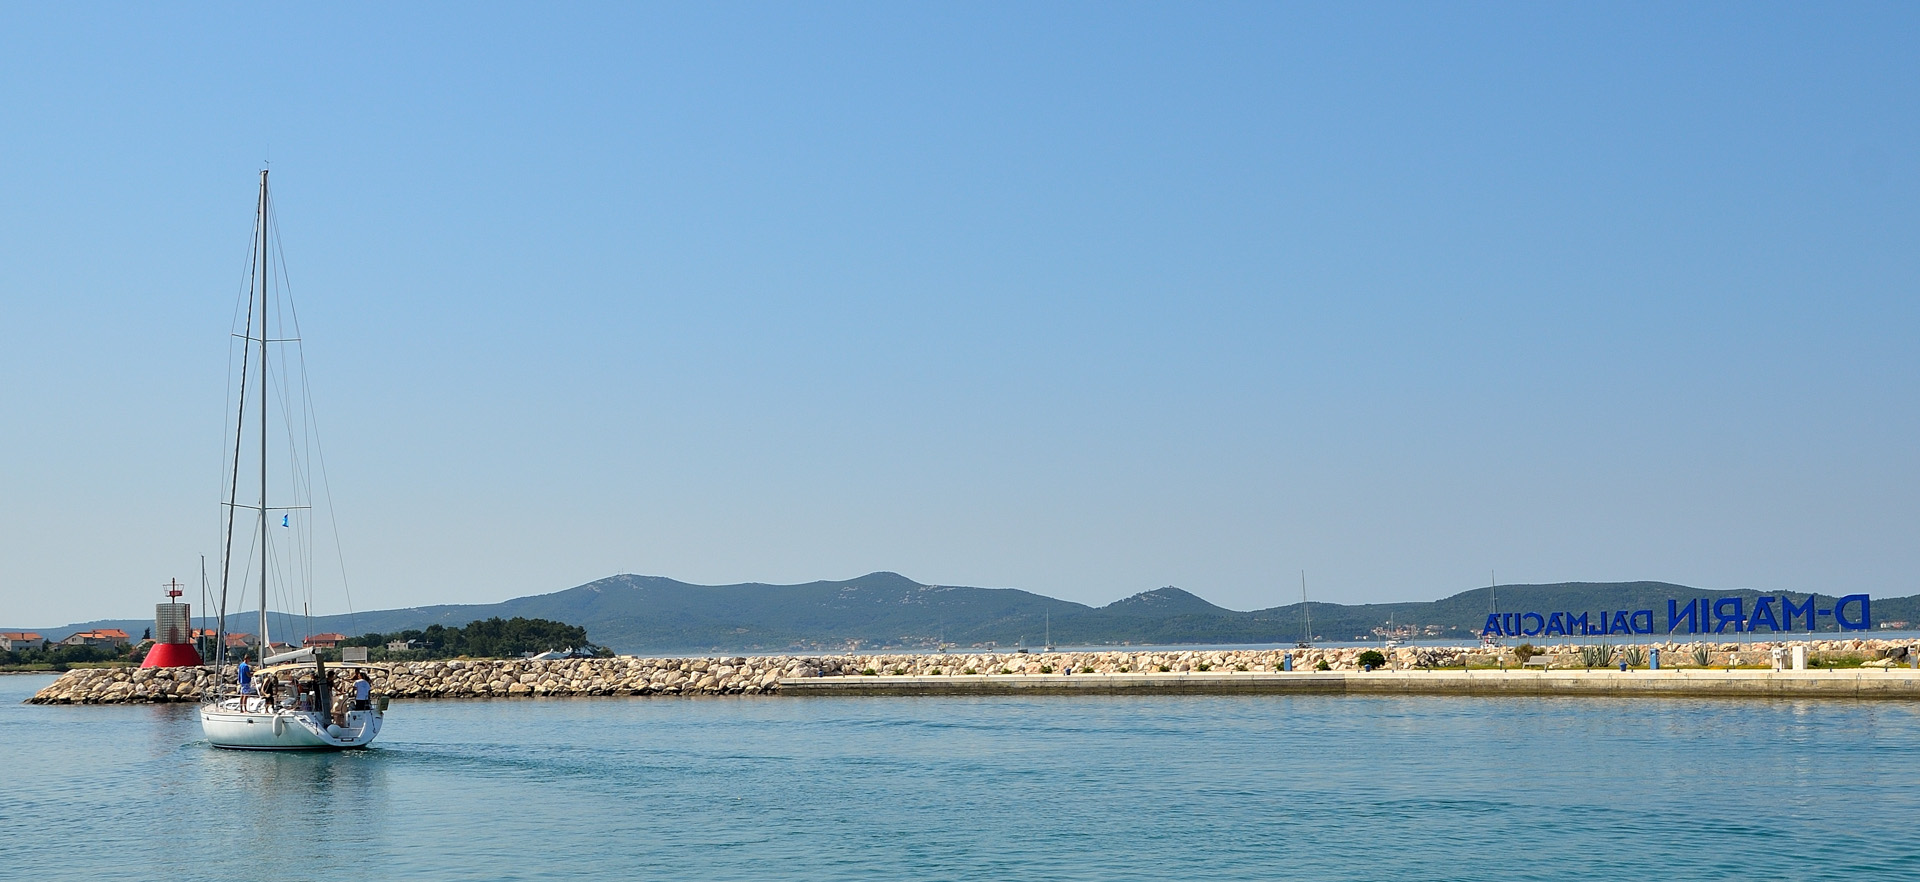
[{"x": 740, "y": 675}]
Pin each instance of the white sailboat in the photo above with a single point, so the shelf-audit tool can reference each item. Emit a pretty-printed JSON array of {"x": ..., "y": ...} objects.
[
  {"x": 296, "y": 708},
  {"x": 1392, "y": 636},
  {"x": 1487, "y": 640}
]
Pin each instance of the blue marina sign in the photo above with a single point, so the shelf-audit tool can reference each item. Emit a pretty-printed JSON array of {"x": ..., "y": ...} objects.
[{"x": 1705, "y": 615}]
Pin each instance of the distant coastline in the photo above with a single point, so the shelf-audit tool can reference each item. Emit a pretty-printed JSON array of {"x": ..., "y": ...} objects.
[{"x": 889, "y": 612}]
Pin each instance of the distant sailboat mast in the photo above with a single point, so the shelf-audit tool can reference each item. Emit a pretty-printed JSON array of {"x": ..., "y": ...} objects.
[
  {"x": 1306, "y": 613},
  {"x": 1493, "y": 610}
]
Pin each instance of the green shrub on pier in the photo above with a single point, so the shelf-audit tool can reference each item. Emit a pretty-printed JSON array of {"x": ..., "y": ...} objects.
[
  {"x": 1525, "y": 651},
  {"x": 1596, "y": 656},
  {"x": 1635, "y": 656},
  {"x": 1373, "y": 658},
  {"x": 1046, "y": 669},
  {"x": 970, "y": 671},
  {"x": 1323, "y": 666},
  {"x": 1165, "y": 669},
  {"x": 1205, "y": 667},
  {"x": 869, "y": 672},
  {"x": 1701, "y": 656}
]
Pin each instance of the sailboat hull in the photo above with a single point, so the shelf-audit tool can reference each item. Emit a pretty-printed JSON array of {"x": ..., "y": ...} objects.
[{"x": 227, "y": 725}]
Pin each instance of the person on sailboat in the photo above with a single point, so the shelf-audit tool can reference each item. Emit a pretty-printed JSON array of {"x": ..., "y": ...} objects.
[
  {"x": 362, "y": 691},
  {"x": 245, "y": 676},
  {"x": 341, "y": 704}
]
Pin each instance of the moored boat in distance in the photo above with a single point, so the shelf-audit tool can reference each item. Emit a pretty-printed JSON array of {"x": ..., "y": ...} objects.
[
  {"x": 1306, "y": 615},
  {"x": 1487, "y": 639}
]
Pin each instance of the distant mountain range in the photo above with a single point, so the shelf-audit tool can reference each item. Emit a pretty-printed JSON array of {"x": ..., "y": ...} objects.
[{"x": 657, "y": 615}]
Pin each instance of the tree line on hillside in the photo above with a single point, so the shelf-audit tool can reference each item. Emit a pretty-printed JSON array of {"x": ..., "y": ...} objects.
[
  {"x": 58, "y": 658},
  {"x": 485, "y": 638}
]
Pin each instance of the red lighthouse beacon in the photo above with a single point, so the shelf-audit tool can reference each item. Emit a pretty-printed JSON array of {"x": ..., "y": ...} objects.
[{"x": 172, "y": 633}]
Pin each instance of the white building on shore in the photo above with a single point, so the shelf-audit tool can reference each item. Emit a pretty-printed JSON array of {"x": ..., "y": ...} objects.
[{"x": 16, "y": 640}]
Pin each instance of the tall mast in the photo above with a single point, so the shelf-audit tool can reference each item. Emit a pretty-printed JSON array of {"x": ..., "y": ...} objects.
[
  {"x": 266, "y": 642},
  {"x": 1306, "y": 612}
]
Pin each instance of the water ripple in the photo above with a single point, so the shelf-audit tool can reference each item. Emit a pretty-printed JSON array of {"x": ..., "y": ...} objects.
[{"x": 1023, "y": 787}]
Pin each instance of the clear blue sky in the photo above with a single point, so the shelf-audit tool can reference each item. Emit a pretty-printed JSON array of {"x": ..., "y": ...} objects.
[{"x": 1083, "y": 299}]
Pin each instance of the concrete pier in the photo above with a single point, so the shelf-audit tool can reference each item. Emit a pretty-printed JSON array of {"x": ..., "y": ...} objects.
[{"x": 1872, "y": 683}]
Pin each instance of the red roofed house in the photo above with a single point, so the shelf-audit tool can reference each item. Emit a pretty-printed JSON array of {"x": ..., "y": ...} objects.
[
  {"x": 326, "y": 641},
  {"x": 101, "y": 637},
  {"x": 11, "y": 640}
]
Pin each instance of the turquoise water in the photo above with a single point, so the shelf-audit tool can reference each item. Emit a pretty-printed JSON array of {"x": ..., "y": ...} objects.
[{"x": 1044, "y": 788}]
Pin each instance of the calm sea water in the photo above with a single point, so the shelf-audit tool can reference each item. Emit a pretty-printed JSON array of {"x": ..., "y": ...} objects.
[{"x": 1045, "y": 788}]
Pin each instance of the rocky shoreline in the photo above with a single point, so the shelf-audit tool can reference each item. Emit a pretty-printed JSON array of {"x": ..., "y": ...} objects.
[{"x": 762, "y": 675}]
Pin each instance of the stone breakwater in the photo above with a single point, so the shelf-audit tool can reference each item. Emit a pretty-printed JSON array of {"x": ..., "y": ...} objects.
[
  {"x": 465, "y": 678},
  {"x": 741, "y": 675}
]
